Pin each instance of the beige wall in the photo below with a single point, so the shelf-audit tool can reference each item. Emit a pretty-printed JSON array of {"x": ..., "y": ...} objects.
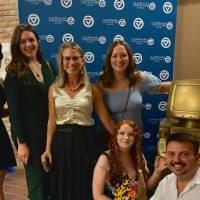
[
  {"x": 8, "y": 19},
  {"x": 187, "y": 47}
]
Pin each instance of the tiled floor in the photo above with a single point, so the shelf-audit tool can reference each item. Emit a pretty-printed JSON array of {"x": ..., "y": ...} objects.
[
  {"x": 15, "y": 182},
  {"x": 15, "y": 186}
]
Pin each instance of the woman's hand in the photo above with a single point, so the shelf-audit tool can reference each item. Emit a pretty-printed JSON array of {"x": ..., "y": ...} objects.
[
  {"x": 159, "y": 165},
  {"x": 23, "y": 153},
  {"x": 46, "y": 158}
]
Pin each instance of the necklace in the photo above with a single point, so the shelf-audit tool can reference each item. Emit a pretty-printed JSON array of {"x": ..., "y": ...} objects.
[
  {"x": 36, "y": 69},
  {"x": 72, "y": 89}
]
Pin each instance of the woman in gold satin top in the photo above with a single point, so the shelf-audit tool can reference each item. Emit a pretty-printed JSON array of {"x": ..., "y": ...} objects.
[{"x": 71, "y": 141}]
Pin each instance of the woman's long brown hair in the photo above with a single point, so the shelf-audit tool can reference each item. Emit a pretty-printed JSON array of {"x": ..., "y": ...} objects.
[
  {"x": 18, "y": 64},
  {"x": 107, "y": 76}
]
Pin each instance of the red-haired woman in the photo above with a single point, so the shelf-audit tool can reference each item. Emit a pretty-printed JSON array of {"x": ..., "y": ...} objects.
[{"x": 120, "y": 170}]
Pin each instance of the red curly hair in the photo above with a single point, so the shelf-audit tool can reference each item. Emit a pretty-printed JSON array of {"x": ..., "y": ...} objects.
[{"x": 117, "y": 167}]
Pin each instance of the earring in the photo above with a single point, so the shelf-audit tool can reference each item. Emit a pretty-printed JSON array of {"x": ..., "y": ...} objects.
[{"x": 82, "y": 71}]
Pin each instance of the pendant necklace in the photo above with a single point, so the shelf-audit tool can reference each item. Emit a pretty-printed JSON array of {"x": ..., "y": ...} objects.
[{"x": 37, "y": 73}]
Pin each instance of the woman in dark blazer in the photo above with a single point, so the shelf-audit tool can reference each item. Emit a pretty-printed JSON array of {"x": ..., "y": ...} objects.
[{"x": 28, "y": 79}]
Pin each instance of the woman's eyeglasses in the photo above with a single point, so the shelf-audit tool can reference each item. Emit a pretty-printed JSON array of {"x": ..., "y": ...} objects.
[{"x": 68, "y": 58}]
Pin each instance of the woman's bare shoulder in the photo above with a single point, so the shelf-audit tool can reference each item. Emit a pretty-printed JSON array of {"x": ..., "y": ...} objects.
[
  {"x": 139, "y": 76},
  {"x": 103, "y": 161}
]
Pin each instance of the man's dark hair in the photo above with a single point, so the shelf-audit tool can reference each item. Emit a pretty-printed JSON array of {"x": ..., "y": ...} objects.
[{"x": 184, "y": 137}]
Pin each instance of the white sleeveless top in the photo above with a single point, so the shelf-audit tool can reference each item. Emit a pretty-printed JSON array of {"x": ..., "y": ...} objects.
[{"x": 76, "y": 110}]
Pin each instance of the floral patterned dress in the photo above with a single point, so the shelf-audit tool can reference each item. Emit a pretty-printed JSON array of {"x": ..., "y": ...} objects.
[{"x": 121, "y": 187}]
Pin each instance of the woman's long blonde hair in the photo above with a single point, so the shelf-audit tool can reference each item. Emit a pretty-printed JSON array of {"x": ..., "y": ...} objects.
[{"x": 62, "y": 76}]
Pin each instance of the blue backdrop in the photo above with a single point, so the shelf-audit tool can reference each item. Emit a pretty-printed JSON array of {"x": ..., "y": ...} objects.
[{"x": 148, "y": 26}]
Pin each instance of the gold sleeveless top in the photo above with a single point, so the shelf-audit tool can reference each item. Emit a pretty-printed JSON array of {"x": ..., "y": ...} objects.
[{"x": 76, "y": 110}]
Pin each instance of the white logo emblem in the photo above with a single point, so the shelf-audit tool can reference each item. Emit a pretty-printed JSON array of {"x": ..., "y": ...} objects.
[
  {"x": 167, "y": 7},
  {"x": 165, "y": 42},
  {"x": 48, "y": 2},
  {"x": 122, "y": 22},
  {"x": 66, "y": 3},
  {"x": 102, "y": 39},
  {"x": 70, "y": 20},
  {"x": 118, "y": 37},
  {"x": 119, "y": 4},
  {"x": 102, "y": 3},
  {"x": 50, "y": 38},
  {"x": 148, "y": 106},
  {"x": 152, "y": 6},
  {"x": 137, "y": 57},
  {"x": 169, "y": 25},
  {"x": 150, "y": 41},
  {"x": 67, "y": 37},
  {"x": 33, "y": 19},
  {"x": 147, "y": 135},
  {"x": 168, "y": 59},
  {"x": 89, "y": 57},
  {"x": 138, "y": 23},
  {"x": 88, "y": 21},
  {"x": 164, "y": 75},
  {"x": 162, "y": 106}
]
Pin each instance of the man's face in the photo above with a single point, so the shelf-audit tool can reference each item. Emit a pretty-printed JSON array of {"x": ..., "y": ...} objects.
[{"x": 180, "y": 158}]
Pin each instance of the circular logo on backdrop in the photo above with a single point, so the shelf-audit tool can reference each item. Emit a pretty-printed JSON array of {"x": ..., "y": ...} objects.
[
  {"x": 102, "y": 39},
  {"x": 168, "y": 59},
  {"x": 147, "y": 135},
  {"x": 118, "y": 37},
  {"x": 48, "y": 2},
  {"x": 102, "y": 3},
  {"x": 66, "y": 3},
  {"x": 50, "y": 38},
  {"x": 169, "y": 25},
  {"x": 164, "y": 75},
  {"x": 152, "y": 6},
  {"x": 165, "y": 42},
  {"x": 70, "y": 20},
  {"x": 88, "y": 21},
  {"x": 162, "y": 106},
  {"x": 167, "y": 7},
  {"x": 119, "y": 4},
  {"x": 122, "y": 22},
  {"x": 89, "y": 57},
  {"x": 137, "y": 57},
  {"x": 138, "y": 23},
  {"x": 67, "y": 37},
  {"x": 148, "y": 106},
  {"x": 33, "y": 19},
  {"x": 150, "y": 41}
]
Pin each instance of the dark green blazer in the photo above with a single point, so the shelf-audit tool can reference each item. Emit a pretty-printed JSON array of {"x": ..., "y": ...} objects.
[{"x": 28, "y": 108}]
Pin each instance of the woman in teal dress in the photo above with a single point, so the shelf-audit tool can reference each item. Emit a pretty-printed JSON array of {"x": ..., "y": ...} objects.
[{"x": 27, "y": 81}]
